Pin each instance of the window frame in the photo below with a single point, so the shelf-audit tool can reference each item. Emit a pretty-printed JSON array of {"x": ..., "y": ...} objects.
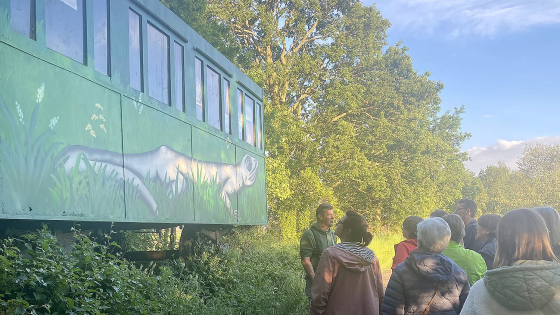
[
  {"x": 92, "y": 33},
  {"x": 32, "y": 20},
  {"x": 141, "y": 47},
  {"x": 85, "y": 33},
  {"x": 150, "y": 23},
  {"x": 219, "y": 98}
]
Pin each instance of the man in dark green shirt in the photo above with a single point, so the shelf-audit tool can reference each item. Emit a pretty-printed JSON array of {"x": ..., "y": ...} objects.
[{"x": 314, "y": 240}]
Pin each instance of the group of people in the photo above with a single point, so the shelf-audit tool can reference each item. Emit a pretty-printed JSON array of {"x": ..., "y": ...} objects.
[{"x": 449, "y": 263}]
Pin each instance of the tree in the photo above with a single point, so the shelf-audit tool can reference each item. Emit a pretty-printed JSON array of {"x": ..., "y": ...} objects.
[{"x": 347, "y": 119}]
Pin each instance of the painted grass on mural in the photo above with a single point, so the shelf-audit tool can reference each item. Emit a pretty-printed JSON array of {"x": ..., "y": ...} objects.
[{"x": 29, "y": 164}]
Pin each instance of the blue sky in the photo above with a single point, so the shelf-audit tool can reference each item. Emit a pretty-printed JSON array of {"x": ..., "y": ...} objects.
[{"x": 499, "y": 58}]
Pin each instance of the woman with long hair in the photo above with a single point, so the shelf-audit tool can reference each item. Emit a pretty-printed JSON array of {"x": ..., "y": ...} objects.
[
  {"x": 552, "y": 220},
  {"x": 348, "y": 277},
  {"x": 526, "y": 280}
]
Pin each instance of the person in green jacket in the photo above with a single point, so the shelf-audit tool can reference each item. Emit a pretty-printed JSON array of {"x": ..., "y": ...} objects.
[
  {"x": 314, "y": 240},
  {"x": 470, "y": 261}
]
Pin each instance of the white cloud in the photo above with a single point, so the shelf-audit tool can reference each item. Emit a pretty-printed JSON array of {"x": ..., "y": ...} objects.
[
  {"x": 455, "y": 18},
  {"x": 504, "y": 150}
]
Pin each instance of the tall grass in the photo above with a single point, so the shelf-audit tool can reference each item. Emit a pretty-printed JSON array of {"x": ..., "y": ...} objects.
[{"x": 384, "y": 247}]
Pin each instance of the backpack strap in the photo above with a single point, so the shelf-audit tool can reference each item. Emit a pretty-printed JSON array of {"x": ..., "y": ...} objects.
[{"x": 427, "y": 310}]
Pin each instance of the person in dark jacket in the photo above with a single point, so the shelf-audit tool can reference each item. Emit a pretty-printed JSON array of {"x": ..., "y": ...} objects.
[
  {"x": 427, "y": 281},
  {"x": 487, "y": 228},
  {"x": 409, "y": 231},
  {"x": 466, "y": 209},
  {"x": 552, "y": 220},
  {"x": 314, "y": 241}
]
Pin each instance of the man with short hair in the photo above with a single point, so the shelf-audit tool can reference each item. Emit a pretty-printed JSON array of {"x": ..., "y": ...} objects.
[
  {"x": 466, "y": 209},
  {"x": 314, "y": 240}
]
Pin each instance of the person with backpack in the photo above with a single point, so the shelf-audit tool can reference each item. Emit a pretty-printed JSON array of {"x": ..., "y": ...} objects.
[{"x": 314, "y": 240}]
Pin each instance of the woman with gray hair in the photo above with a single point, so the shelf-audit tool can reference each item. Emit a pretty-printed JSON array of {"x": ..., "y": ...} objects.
[{"x": 427, "y": 282}]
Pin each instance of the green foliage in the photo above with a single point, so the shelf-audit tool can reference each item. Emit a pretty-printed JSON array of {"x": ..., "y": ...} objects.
[
  {"x": 535, "y": 183},
  {"x": 250, "y": 274},
  {"x": 348, "y": 120}
]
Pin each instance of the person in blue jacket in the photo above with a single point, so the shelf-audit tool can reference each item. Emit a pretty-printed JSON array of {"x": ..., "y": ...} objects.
[{"x": 427, "y": 282}]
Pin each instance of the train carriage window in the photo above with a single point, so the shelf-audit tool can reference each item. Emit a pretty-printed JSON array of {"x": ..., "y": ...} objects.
[
  {"x": 199, "y": 89},
  {"x": 179, "y": 77},
  {"x": 158, "y": 64},
  {"x": 135, "y": 50},
  {"x": 23, "y": 17},
  {"x": 64, "y": 27},
  {"x": 101, "y": 39},
  {"x": 249, "y": 120},
  {"x": 240, "y": 113},
  {"x": 258, "y": 124},
  {"x": 214, "y": 102},
  {"x": 227, "y": 107}
]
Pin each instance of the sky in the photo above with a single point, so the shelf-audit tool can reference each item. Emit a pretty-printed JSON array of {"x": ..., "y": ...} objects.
[{"x": 498, "y": 58}]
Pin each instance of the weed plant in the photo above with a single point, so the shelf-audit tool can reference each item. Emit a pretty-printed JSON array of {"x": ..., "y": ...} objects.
[{"x": 252, "y": 273}]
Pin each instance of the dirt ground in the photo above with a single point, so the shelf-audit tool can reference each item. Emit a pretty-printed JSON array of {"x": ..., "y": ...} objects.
[{"x": 386, "y": 275}]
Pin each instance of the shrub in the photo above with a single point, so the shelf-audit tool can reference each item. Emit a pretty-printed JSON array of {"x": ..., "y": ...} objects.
[{"x": 252, "y": 274}]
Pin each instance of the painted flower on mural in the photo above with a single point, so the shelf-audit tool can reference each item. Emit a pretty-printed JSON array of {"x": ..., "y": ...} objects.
[
  {"x": 20, "y": 113},
  {"x": 53, "y": 123},
  {"x": 97, "y": 119},
  {"x": 40, "y": 93}
]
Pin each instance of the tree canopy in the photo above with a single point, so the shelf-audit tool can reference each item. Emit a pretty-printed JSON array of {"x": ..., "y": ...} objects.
[{"x": 348, "y": 119}]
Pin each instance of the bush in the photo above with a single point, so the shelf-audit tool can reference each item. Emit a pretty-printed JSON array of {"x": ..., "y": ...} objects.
[{"x": 254, "y": 274}]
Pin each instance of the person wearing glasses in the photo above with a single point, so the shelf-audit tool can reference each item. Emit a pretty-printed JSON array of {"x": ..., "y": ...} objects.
[{"x": 466, "y": 209}]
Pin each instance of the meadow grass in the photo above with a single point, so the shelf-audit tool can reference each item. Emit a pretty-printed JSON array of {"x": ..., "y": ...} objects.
[{"x": 384, "y": 247}]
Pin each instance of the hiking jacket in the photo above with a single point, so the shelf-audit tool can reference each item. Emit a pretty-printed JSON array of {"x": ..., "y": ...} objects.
[
  {"x": 402, "y": 250},
  {"x": 470, "y": 241},
  {"x": 529, "y": 287},
  {"x": 347, "y": 282},
  {"x": 314, "y": 241},
  {"x": 488, "y": 252},
  {"x": 468, "y": 260},
  {"x": 414, "y": 282}
]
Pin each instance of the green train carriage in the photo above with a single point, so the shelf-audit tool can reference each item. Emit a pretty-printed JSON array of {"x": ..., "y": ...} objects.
[{"x": 117, "y": 111}]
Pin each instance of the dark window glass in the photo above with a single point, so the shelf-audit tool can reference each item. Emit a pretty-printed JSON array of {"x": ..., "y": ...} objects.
[
  {"x": 135, "y": 50},
  {"x": 101, "y": 39},
  {"x": 249, "y": 121},
  {"x": 214, "y": 102},
  {"x": 240, "y": 113},
  {"x": 158, "y": 64},
  {"x": 179, "y": 88},
  {"x": 199, "y": 87},
  {"x": 258, "y": 124},
  {"x": 23, "y": 17},
  {"x": 64, "y": 27},
  {"x": 227, "y": 107}
]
